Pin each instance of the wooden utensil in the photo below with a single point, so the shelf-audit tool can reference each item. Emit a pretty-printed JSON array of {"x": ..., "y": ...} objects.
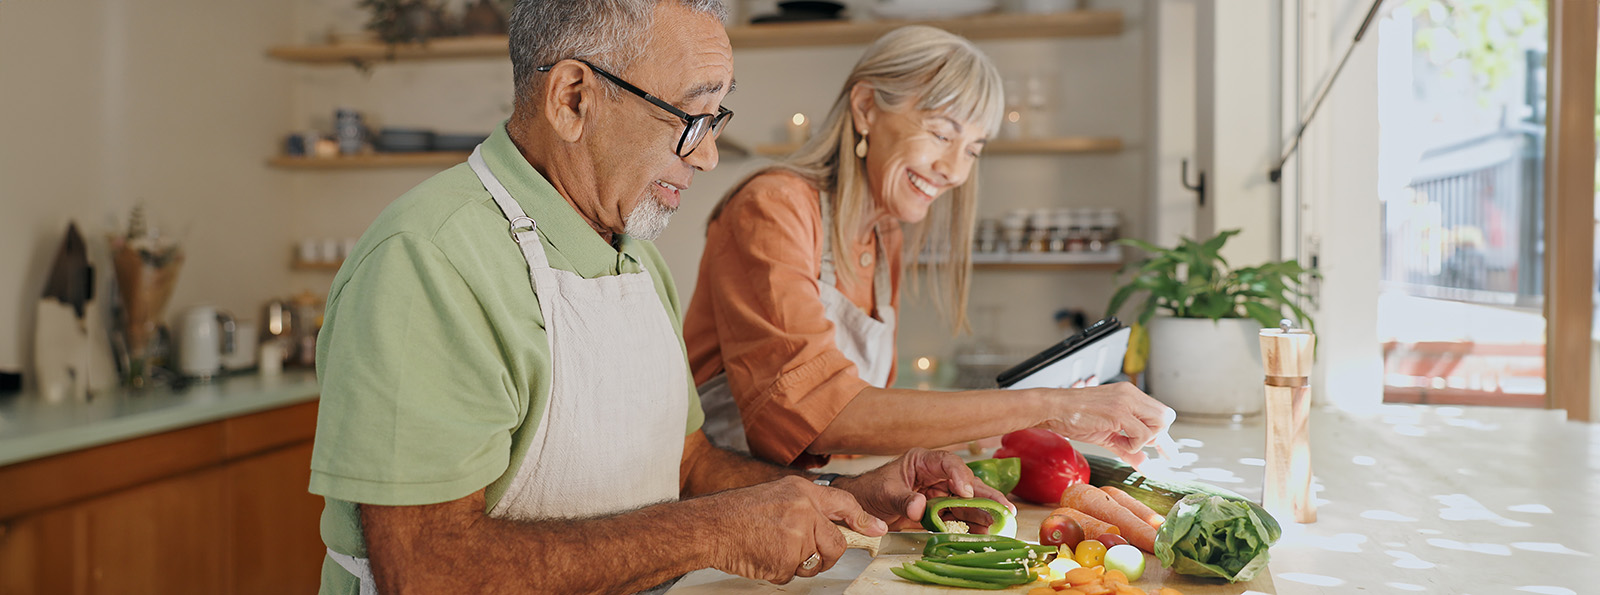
[{"x": 1286, "y": 354}]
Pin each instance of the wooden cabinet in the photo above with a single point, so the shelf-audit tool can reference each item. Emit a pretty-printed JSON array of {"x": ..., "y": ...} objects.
[{"x": 216, "y": 508}]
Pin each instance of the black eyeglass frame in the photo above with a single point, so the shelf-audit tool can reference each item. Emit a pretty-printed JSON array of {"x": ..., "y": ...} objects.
[{"x": 698, "y": 125}]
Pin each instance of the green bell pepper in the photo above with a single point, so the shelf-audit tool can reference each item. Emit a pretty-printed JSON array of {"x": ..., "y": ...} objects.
[
  {"x": 1000, "y": 474},
  {"x": 944, "y": 544},
  {"x": 932, "y": 522}
]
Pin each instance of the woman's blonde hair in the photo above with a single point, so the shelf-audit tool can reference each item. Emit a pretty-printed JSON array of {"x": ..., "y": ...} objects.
[{"x": 916, "y": 67}]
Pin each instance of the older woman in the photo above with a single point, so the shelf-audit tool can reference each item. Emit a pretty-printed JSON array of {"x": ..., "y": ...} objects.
[{"x": 791, "y": 329}]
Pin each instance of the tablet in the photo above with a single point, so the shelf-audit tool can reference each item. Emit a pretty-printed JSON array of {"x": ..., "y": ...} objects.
[{"x": 1092, "y": 356}]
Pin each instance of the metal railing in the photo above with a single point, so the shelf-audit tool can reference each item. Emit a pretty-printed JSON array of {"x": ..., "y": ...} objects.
[{"x": 1472, "y": 227}]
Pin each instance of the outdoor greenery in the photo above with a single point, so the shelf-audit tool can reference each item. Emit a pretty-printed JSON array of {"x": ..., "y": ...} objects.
[
  {"x": 1193, "y": 280},
  {"x": 1485, "y": 33}
]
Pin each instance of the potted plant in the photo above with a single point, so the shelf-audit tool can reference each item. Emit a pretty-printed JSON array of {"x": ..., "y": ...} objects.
[{"x": 1204, "y": 355}]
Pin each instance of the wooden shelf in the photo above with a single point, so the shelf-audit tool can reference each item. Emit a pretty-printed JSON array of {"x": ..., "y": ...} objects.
[
  {"x": 1039, "y": 146},
  {"x": 328, "y": 267},
  {"x": 1081, "y": 23},
  {"x": 437, "y": 159},
  {"x": 362, "y": 52},
  {"x": 1109, "y": 260},
  {"x": 1047, "y": 266}
]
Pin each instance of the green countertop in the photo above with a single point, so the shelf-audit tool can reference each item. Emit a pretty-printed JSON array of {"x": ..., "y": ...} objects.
[{"x": 32, "y": 428}]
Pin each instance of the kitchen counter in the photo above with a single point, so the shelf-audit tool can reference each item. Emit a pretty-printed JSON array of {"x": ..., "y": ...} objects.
[
  {"x": 1409, "y": 499},
  {"x": 31, "y": 428}
]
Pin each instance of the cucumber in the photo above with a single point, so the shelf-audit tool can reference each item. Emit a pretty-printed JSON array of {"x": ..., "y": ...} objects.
[{"x": 1160, "y": 496}]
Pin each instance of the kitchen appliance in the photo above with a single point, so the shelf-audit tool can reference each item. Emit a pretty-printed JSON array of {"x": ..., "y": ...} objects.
[
  {"x": 278, "y": 322},
  {"x": 205, "y": 336}
]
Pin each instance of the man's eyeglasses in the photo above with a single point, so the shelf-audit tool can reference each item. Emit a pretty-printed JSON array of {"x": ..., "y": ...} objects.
[{"x": 695, "y": 128}]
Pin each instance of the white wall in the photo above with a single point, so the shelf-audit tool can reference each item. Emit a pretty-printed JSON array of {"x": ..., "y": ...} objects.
[
  {"x": 1099, "y": 89},
  {"x": 167, "y": 102},
  {"x": 1336, "y": 178}
]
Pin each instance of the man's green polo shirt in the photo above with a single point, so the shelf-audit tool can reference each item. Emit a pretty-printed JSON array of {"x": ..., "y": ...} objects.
[{"x": 433, "y": 360}]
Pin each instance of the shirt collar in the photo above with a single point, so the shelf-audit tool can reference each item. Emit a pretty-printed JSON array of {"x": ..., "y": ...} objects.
[{"x": 575, "y": 242}]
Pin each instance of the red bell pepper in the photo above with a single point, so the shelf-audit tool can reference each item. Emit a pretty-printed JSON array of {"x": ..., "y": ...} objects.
[{"x": 1049, "y": 464}]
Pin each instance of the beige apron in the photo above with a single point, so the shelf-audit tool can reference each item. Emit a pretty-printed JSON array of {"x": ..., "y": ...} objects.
[
  {"x": 610, "y": 438},
  {"x": 866, "y": 341}
]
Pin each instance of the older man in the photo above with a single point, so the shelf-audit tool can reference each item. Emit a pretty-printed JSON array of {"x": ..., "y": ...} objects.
[{"x": 510, "y": 411}]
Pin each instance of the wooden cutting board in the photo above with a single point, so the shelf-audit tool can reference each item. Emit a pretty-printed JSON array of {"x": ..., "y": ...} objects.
[{"x": 878, "y": 580}]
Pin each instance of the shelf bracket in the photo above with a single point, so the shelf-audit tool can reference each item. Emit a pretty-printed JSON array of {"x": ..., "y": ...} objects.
[{"x": 1198, "y": 187}]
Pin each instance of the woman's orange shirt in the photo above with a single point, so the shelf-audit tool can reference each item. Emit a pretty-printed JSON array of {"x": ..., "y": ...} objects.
[{"x": 757, "y": 315}]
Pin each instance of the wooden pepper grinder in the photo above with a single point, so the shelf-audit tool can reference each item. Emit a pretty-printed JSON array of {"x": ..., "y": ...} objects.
[{"x": 1286, "y": 356}]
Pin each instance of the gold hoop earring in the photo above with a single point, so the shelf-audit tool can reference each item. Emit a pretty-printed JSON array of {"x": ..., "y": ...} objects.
[{"x": 861, "y": 148}]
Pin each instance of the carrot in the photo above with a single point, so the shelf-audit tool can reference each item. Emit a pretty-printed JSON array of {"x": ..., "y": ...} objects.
[
  {"x": 1138, "y": 508},
  {"x": 1099, "y": 504},
  {"x": 1092, "y": 527}
]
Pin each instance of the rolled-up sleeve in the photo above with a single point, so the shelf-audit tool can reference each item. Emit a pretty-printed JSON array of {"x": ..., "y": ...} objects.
[{"x": 757, "y": 300}]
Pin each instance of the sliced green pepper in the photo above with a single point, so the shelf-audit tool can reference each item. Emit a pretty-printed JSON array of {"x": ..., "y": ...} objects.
[
  {"x": 932, "y": 522},
  {"x": 992, "y": 575},
  {"x": 1022, "y": 556},
  {"x": 912, "y": 572},
  {"x": 1000, "y": 474},
  {"x": 940, "y": 544}
]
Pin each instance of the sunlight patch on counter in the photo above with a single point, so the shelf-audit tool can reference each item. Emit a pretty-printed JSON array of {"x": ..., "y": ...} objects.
[
  {"x": 1406, "y": 586},
  {"x": 1493, "y": 549},
  {"x": 1387, "y": 515},
  {"x": 1546, "y": 547},
  {"x": 1547, "y": 590},
  {"x": 1310, "y": 579},
  {"x": 1296, "y": 535},
  {"x": 1531, "y": 508},
  {"x": 1404, "y": 559},
  {"x": 1364, "y": 461},
  {"x": 1461, "y": 507},
  {"x": 1252, "y": 462}
]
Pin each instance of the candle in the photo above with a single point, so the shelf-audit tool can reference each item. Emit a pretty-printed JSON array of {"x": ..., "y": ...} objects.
[{"x": 799, "y": 129}]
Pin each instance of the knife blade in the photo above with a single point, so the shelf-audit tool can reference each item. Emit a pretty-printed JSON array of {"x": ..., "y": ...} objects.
[{"x": 894, "y": 543}]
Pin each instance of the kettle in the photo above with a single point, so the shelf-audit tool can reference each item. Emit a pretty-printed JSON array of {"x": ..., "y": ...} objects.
[{"x": 205, "y": 336}]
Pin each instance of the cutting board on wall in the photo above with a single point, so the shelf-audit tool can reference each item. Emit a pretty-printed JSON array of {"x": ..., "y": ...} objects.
[{"x": 877, "y": 579}]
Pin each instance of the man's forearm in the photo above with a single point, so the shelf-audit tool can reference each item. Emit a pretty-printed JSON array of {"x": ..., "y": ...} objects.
[
  {"x": 455, "y": 548},
  {"x": 708, "y": 469}
]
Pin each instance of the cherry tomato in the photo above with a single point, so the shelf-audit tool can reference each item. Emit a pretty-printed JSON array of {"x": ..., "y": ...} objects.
[
  {"x": 1060, "y": 529},
  {"x": 1090, "y": 553},
  {"x": 1111, "y": 540}
]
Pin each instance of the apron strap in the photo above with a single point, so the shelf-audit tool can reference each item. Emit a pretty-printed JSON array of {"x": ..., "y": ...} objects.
[
  {"x": 360, "y": 567},
  {"x": 880, "y": 277},
  {"x": 523, "y": 228}
]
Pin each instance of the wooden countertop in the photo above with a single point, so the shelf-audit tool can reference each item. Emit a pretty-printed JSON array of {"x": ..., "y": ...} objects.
[
  {"x": 1410, "y": 499},
  {"x": 32, "y": 428}
]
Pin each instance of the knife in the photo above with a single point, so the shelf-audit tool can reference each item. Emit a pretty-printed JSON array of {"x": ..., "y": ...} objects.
[{"x": 894, "y": 543}]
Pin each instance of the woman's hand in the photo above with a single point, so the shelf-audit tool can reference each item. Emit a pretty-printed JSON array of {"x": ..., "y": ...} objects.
[{"x": 1119, "y": 417}]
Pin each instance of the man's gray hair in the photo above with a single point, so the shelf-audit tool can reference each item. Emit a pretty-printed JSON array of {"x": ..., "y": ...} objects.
[{"x": 611, "y": 33}]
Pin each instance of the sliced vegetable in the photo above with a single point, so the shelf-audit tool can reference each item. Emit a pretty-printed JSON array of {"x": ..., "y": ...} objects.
[
  {"x": 932, "y": 521},
  {"x": 1002, "y": 474},
  {"x": 994, "y": 575},
  {"x": 968, "y": 542},
  {"x": 1049, "y": 464},
  {"x": 911, "y": 572}
]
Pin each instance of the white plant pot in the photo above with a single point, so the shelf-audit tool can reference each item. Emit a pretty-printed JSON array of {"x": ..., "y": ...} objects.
[{"x": 1207, "y": 370}]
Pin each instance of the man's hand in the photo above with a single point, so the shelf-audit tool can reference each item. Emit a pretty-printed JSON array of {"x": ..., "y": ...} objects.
[
  {"x": 898, "y": 492},
  {"x": 769, "y": 530},
  {"x": 1119, "y": 417}
]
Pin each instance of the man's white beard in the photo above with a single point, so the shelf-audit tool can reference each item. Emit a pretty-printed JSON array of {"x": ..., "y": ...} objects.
[{"x": 648, "y": 219}]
